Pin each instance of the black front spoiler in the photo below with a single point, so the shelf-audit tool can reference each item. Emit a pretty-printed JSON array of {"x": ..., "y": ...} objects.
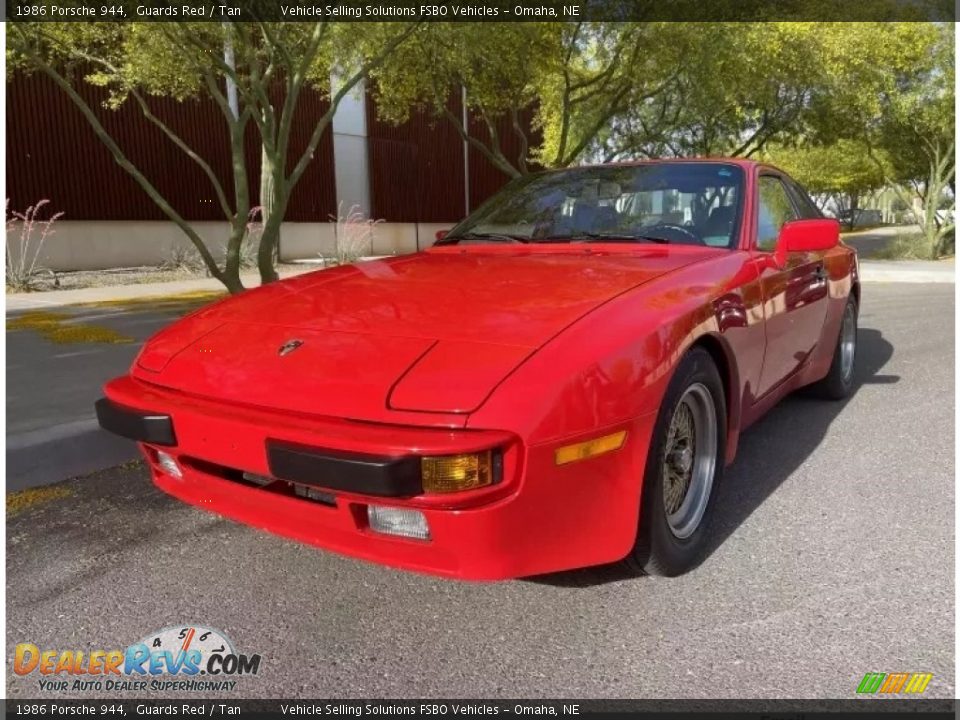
[
  {"x": 136, "y": 425},
  {"x": 376, "y": 475},
  {"x": 349, "y": 472}
]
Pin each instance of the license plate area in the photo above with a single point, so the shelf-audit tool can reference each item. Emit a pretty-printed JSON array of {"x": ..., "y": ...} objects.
[
  {"x": 285, "y": 487},
  {"x": 264, "y": 482}
]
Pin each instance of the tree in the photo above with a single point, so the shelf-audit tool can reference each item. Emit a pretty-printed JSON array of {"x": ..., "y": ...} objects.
[
  {"x": 843, "y": 172},
  {"x": 893, "y": 94},
  {"x": 739, "y": 86},
  {"x": 572, "y": 78},
  {"x": 269, "y": 66},
  {"x": 915, "y": 130}
]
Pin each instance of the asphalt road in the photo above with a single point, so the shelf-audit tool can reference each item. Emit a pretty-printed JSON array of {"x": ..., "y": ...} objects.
[
  {"x": 51, "y": 388},
  {"x": 834, "y": 556},
  {"x": 50, "y": 384}
]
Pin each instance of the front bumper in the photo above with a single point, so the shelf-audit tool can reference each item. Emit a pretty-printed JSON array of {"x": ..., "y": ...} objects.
[
  {"x": 539, "y": 518},
  {"x": 349, "y": 472}
]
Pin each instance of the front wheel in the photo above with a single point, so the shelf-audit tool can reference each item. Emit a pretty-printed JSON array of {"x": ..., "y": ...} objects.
[{"x": 684, "y": 466}]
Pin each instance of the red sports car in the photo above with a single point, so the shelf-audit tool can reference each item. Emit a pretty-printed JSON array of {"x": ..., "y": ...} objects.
[{"x": 558, "y": 382}]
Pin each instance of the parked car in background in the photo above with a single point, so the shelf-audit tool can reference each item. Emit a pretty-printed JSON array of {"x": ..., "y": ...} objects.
[
  {"x": 559, "y": 382},
  {"x": 861, "y": 218}
]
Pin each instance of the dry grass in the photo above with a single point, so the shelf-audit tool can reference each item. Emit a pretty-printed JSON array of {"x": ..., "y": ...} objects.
[
  {"x": 60, "y": 328},
  {"x": 23, "y": 499},
  {"x": 904, "y": 246},
  {"x": 186, "y": 300}
]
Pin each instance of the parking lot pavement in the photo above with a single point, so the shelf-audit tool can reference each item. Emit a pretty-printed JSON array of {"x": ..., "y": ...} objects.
[{"x": 833, "y": 557}]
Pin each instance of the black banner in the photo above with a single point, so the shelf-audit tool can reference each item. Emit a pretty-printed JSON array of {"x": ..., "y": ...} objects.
[
  {"x": 474, "y": 11},
  {"x": 654, "y": 709}
]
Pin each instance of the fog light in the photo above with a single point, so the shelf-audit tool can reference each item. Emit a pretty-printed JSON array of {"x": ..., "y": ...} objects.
[
  {"x": 396, "y": 521},
  {"x": 168, "y": 464},
  {"x": 453, "y": 473}
]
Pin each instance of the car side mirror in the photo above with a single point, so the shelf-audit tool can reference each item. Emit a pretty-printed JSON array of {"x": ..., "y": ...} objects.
[
  {"x": 440, "y": 235},
  {"x": 806, "y": 236}
]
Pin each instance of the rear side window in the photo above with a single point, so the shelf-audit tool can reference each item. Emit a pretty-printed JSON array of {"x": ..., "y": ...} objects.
[
  {"x": 774, "y": 210},
  {"x": 806, "y": 207}
]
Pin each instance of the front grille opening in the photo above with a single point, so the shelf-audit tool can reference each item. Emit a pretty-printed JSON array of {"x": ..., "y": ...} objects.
[
  {"x": 306, "y": 492},
  {"x": 263, "y": 482}
]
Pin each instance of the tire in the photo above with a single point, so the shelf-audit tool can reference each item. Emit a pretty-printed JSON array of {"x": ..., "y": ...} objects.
[
  {"x": 839, "y": 381},
  {"x": 672, "y": 541}
]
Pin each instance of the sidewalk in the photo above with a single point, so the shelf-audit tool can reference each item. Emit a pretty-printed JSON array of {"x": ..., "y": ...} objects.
[{"x": 60, "y": 298}]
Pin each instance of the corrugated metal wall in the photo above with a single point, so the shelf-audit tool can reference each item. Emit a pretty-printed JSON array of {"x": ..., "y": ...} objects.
[
  {"x": 53, "y": 153},
  {"x": 416, "y": 169}
]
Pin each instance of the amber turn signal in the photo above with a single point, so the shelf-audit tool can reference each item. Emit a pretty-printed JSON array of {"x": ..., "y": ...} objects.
[
  {"x": 454, "y": 473},
  {"x": 590, "y": 448}
]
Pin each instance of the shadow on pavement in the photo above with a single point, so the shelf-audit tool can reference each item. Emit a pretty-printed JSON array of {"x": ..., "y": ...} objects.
[{"x": 769, "y": 452}]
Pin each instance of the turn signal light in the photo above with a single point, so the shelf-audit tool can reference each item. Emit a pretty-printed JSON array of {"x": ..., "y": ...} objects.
[
  {"x": 454, "y": 473},
  {"x": 590, "y": 448}
]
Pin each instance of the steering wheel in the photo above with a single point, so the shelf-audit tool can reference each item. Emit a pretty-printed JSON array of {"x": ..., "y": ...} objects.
[{"x": 685, "y": 231}]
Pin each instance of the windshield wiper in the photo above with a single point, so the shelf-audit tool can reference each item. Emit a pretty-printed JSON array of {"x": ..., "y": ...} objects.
[
  {"x": 492, "y": 237},
  {"x": 599, "y": 236}
]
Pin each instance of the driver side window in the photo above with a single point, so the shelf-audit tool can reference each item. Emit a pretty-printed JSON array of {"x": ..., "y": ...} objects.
[{"x": 775, "y": 209}]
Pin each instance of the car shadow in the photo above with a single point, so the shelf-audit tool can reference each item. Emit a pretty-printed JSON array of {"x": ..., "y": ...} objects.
[{"x": 770, "y": 451}]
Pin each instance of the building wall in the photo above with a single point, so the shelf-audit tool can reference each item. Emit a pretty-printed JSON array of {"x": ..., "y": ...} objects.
[
  {"x": 103, "y": 244},
  {"x": 413, "y": 176},
  {"x": 416, "y": 169},
  {"x": 53, "y": 153}
]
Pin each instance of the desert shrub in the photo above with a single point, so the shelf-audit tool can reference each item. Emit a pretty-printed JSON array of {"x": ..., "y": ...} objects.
[
  {"x": 354, "y": 234},
  {"x": 26, "y": 235}
]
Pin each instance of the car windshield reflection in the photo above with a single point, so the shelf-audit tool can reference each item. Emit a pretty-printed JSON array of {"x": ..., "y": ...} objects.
[{"x": 684, "y": 203}]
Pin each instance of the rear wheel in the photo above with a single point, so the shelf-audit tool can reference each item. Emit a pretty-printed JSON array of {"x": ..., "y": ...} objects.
[
  {"x": 684, "y": 465},
  {"x": 839, "y": 381}
]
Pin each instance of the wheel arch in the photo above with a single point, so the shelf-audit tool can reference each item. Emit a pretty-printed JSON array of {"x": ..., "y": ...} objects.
[{"x": 726, "y": 363}]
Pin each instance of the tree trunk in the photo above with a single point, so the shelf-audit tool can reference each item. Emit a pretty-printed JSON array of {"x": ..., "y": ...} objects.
[
  {"x": 265, "y": 254},
  {"x": 271, "y": 212},
  {"x": 231, "y": 271},
  {"x": 854, "y": 206}
]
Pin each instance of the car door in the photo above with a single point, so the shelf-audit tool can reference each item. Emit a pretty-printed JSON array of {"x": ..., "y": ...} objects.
[{"x": 795, "y": 295}]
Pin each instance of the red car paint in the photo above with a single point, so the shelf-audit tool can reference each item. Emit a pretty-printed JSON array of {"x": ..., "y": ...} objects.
[{"x": 463, "y": 348}]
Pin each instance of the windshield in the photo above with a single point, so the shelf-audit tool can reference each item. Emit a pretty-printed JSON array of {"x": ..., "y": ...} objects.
[{"x": 678, "y": 203}]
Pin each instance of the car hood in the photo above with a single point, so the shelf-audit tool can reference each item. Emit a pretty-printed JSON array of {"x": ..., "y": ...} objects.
[{"x": 434, "y": 332}]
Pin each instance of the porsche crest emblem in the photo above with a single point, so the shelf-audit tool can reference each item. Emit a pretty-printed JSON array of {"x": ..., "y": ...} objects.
[{"x": 289, "y": 346}]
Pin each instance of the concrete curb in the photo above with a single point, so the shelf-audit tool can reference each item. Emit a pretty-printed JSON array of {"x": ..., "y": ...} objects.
[{"x": 53, "y": 454}]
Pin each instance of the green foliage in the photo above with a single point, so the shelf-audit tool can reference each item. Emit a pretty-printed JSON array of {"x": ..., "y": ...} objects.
[
  {"x": 912, "y": 126},
  {"x": 573, "y": 78},
  {"x": 843, "y": 167}
]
